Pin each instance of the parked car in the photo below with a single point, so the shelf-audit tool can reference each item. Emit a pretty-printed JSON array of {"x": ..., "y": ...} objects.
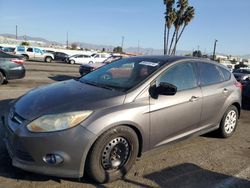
[
  {"x": 60, "y": 56},
  {"x": 99, "y": 124},
  {"x": 243, "y": 76},
  {"x": 239, "y": 74},
  {"x": 31, "y": 53},
  {"x": 79, "y": 59},
  {"x": 99, "y": 57},
  {"x": 11, "y": 67},
  {"x": 87, "y": 68},
  {"x": 85, "y": 59},
  {"x": 9, "y": 50}
]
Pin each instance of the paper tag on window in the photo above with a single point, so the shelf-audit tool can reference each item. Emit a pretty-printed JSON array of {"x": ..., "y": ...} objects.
[{"x": 147, "y": 63}]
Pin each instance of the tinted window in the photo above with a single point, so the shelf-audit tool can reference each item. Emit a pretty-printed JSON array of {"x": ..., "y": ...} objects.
[
  {"x": 209, "y": 74},
  {"x": 37, "y": 50},
  {"x": 20, "y": 48},
  {"x": 30, "y": 50},
  {"x": 181, "y": 75},
  {"x": 226, "y": 74}
]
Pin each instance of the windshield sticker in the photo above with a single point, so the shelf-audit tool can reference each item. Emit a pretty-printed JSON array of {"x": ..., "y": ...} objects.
[{"x": 147, "y": 63}]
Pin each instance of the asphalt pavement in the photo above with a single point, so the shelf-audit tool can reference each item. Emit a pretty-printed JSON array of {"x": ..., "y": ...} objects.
[{"x": 204, "y": 161}]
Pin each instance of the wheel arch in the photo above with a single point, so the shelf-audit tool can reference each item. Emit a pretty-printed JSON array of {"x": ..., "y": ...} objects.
[
  {"x": 87, "y": 153},
  {"x": 237, "y": 105}
]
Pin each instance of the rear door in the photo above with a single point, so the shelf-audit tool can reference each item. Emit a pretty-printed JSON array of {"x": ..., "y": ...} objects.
[
  {"x": 38, "y": 54},
  {"x": 215, "y": 91},
  {"x": 175, "y": 116},
  {"x": 30, "y": 53}
]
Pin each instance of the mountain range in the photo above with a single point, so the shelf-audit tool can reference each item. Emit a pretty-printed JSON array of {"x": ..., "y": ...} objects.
[{"x": 146, "y": 51}]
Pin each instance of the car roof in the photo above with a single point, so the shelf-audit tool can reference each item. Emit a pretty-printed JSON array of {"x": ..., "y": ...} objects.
[{"x": 171, "y": 59}]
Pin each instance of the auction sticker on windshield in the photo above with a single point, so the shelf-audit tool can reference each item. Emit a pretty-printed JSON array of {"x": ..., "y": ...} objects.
[{"x": 148, "y": 63}]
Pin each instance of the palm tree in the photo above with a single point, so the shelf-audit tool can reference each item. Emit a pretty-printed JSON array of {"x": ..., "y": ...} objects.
[
  {"x": 187, "y": 18},
  {"x": 182, "y": 5},
  {"x": 169, "y": 20}
]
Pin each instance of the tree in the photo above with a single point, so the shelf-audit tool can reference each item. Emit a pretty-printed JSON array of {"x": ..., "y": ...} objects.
[
  {"x": 179, "y": 16},
  {"x": 74, "y": 46},
  {"x": 197, "y": 53},
  {"x": 170, "y": 16},
  {"x": 186, "y": 19},
  {"x": 118, "y": 49},
  {"x": 25, "y": 43}
]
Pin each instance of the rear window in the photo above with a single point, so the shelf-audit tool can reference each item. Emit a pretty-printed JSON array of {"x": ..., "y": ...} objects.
[
  {"x": 226, "y": 73},
  {"x": 209, "y": 74},
  {"x": 30, "y": 50}
]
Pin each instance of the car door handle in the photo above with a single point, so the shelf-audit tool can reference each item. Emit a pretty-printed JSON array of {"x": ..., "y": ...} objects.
[
  {"x": 225, "y": 91},
  {"x": 193, "y": 99}
]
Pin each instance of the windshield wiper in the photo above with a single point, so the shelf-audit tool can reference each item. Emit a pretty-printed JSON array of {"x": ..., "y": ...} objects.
[{"x": 98, "y": 85}]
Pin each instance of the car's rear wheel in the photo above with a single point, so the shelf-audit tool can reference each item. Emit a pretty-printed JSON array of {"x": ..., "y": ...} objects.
[
  {"x": 25, "y": 57},
  {"x": 1, "y": 78},
  {"x": 91, "y": 62},
  {"x": 229, "y": 122},
  {"x": 48, "y": 59},
  {"x": 112, "y": 155},
  {"x": 72, "y": 62}
]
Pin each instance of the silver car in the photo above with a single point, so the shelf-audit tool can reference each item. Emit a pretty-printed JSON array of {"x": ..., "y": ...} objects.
[{"x": 99, "y": 124}]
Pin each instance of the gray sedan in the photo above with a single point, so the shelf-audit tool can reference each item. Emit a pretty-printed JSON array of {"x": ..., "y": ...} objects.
[{"x": 99, "y": 124}]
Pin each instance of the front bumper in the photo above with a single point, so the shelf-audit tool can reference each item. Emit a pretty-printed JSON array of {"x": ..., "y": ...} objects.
[{"x": 28, "y": 149}]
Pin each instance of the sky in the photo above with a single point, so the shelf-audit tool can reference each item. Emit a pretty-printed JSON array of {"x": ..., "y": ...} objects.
[{"x": 105, "y": 22}]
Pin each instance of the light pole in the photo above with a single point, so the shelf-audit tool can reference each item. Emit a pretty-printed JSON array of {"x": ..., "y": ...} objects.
[
  {"x": 16, "y": 32},
  {"x": 122, "y": 42},
  {"x": 215, "y": 42},
  {"x": 67, "y": 41}
]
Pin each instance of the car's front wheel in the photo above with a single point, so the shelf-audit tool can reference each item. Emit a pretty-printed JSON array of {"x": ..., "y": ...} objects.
[
  {"x": 112, "y": 155},
  {"x": 229, "y": 122},
  {"x": 72, "y": 62}
]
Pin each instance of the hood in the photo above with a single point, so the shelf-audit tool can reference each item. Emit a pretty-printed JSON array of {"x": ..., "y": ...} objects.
[{"x": 67, "y": 96}]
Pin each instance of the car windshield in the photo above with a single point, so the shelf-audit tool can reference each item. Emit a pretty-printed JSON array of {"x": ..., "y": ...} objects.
[{"x": 123, "y": 74}]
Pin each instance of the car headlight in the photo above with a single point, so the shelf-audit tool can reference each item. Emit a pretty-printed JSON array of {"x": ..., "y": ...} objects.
[{"x": 57, "y": 122}]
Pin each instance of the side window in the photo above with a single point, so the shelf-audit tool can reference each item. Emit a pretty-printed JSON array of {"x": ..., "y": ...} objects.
[
  {"x": 103, "y": 56},
  {"x": 20, "y": 49},
  {"x": 209, "y": 74},
  {"x": 181, "y": 75},
  {"x": 37, "y": 50},
  {"x": 30, "y": 50},
  {"x": 226, "y": 73},
  {"x": 80, "y": 56}
]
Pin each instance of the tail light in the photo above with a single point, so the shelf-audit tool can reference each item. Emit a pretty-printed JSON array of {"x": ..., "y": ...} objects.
[
  {"x": 238, "y": 84},
  {"x": 18, "y": 61}
]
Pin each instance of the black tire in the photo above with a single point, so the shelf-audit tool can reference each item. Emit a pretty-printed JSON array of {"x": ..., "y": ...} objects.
[
  {"x": 48, "y": 59},
  {"x": 95, "y": 168},
  {"x": 72, "y": 62},
  {"x": 25, "y": 57},
  {"x": 2, "y": 79},
  {"x": 228, "y": 125},
  {"x": 91, "y": 62}
]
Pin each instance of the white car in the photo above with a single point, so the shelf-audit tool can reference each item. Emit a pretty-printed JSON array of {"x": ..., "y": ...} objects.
[
  {"x": 34, "y": 53},
  {"x": 99, "y": 58},
  {"x": 86, "y": 59},
  {"x": 79, "y": 59}
]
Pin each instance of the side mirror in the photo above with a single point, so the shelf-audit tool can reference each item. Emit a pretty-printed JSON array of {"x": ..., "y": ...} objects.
[{"x": 162, "y": 89}]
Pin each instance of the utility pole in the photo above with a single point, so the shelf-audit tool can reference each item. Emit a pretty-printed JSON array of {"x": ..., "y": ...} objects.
[
  {"x": 215, "y": 43},
  {"x": 122, "y": 42},
  {"x": 67, "y": 41},
  {"x": 16, "y": 32}
]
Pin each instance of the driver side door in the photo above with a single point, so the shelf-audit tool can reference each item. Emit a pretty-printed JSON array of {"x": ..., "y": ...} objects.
[{"x": 175, "y": 116}]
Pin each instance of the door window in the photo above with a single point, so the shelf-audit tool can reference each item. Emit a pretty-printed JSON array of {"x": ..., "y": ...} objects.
[
  {"x": 30, "y": 50},
  {"x": 209, "y": 74},
  {"x": 181, "y": 75}
]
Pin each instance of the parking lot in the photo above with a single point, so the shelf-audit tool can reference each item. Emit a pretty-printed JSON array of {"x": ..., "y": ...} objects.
[{"x": 204, "y": 161}]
